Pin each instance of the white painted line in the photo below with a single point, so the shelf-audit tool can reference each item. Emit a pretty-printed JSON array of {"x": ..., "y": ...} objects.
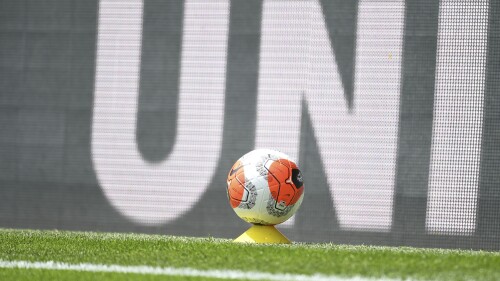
[{"x": 191, "y": 272}]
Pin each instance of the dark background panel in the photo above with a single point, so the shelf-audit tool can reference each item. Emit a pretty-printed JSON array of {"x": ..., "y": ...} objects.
[
  {"x": 341, "y": 21},
  {"x": 47, "y": 72},
  {"x": 47, "y": 69},
  {"x": 488, "y": 217},
  {"x": 415, "y": 120},
  {"x": 159, "y": 83}
]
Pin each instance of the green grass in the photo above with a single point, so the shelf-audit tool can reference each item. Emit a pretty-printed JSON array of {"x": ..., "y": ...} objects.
[
  {"x": 210, "y": 253},
  {"x": 38, "y": 274}
]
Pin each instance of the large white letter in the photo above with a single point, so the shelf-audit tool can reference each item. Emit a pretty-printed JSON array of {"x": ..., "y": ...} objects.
[
  {"x": 458, "y": 117},
  {"x": 157, "y": 193},
  {"x": 282, "y": 76},
  {"x": 358, "y": 148}
]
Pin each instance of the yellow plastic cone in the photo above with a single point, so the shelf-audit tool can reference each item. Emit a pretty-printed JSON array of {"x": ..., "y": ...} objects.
[{"x": 262, "y": 234}]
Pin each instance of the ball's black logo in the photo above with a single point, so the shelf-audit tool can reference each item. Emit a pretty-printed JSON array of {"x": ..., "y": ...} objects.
[{"x": 297, "y": 179}]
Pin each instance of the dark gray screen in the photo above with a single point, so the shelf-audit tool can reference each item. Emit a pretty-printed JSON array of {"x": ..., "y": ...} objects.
[{"x": 127, "y": 116}]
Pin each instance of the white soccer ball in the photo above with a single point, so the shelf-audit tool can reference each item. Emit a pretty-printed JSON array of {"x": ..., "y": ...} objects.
[{"x": 265, "y": 187}]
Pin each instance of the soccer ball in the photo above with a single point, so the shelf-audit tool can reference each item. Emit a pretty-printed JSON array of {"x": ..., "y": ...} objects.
[{"x": 265, "y": 187}]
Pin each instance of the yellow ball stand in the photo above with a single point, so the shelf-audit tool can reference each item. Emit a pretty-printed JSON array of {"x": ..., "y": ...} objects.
[{"x": 262, "y": 234}]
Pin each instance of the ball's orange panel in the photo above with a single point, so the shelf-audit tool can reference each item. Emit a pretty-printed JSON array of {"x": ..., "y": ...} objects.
[
  {"x": 280, "y": 182},
  {"x": 235, "y": 184}
]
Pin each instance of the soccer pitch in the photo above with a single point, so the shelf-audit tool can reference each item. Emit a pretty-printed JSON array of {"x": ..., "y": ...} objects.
[{"x": 50, "y": 255}]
